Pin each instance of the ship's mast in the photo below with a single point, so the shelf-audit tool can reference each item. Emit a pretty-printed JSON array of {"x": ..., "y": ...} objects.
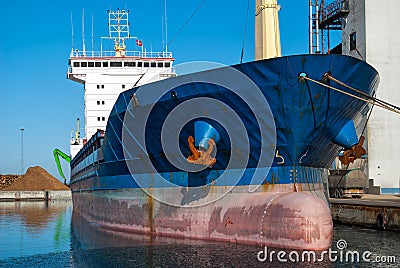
[
  {"x": 118, "y": 28},
  {"x": 267, "y": 37}
]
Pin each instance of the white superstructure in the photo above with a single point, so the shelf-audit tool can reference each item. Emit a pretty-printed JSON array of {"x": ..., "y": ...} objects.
[
  {"x": 371, "y": 33},
  {"x": 105, "y": 74}
]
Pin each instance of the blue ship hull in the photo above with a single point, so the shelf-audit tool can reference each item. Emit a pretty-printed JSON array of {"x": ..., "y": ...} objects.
[{"x": 298, "y": 138}]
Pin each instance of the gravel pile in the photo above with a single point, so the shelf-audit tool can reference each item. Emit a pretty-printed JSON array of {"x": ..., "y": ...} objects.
[
  {"x": 7, "y": 180},
  {"x": 35, "y": 179}
]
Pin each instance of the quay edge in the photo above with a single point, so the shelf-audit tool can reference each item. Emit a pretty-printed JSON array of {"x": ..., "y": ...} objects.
[
  {"x": 380, "y": 212},
  {"x": 35, "y": 195}
]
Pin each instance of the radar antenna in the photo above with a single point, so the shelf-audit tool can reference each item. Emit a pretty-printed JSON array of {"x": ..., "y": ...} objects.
[{"x": 118, "y": 27}]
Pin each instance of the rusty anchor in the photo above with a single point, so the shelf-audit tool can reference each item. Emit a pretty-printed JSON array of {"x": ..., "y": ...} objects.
[
  {"x": 355, "y": 152},
  {"x": 201, "y": 157}
]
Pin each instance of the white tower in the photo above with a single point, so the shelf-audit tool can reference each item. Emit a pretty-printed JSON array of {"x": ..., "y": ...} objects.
[
  {"x": 267, "y": 34},
  {"x": 105, "y": 74},
  {"x": 371, "y": 33}
]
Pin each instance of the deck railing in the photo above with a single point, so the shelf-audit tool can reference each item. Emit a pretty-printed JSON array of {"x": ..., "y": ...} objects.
[{"x": 108, "y": 54}]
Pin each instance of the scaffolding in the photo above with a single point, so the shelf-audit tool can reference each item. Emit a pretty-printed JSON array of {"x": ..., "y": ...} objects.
[{"x": 324, "y": 18}]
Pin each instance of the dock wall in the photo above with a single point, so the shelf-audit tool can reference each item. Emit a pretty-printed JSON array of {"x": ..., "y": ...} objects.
[
  {"x": 383, "y": 215},
  {"x": 34, "y": 195}
]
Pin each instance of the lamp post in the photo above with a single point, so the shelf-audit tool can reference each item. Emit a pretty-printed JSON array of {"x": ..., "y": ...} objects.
[{"x": 22, "y": 150}]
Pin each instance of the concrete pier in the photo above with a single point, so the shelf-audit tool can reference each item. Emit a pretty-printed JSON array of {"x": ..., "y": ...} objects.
[
  {"x": 35, "y": 195},
  {"x": 376, "y": 211}
]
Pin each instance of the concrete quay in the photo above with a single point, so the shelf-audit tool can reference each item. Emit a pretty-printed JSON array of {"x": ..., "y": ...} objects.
[
  {"x": 374, "y": 211},
  {"x": 35, "y": 195}
]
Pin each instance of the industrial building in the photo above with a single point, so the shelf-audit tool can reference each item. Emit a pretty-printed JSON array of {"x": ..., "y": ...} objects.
[{"x": 369, "y": 30}]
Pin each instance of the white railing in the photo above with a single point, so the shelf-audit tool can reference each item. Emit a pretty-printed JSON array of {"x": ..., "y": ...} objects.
[{"x": 108, "y": 54}]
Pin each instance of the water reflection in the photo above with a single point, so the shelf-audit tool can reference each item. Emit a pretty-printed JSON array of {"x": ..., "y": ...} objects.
[
  {"x": 379, "y": 243},
  {"x": 40, "y": 234},
  {"x": 92, "y": 246},
  {"x": 30, "y": 228},
  {"x": 35, "y": 215}
]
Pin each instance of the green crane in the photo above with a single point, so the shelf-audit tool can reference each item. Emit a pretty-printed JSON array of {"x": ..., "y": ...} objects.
[{"x": 57, "y": 153}]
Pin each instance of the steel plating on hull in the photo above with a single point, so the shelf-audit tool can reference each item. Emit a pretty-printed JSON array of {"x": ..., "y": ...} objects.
[{"x": 297, "y": 220}]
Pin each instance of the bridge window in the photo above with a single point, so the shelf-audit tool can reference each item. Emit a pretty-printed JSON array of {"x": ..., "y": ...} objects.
[
  {"x": 160, "y": 64},
  {"x": 153, "y": 64},
  {"x": 129, "y": 64},
  {"x": 139, "y": 64},
  {"x": 167, "y": 64},
  {"x": 91, "y": 64},
  {"x": 105, "y": 64},
  {"x": 103, "y": 119},
  {"x": 97, "y": 64},
  {"x": 353, "y": 41},
  {"x": 83, "y": 64},
  {"x": 102, "y": 102},
  {"x": 123, "y": 86},
  {"x": 146, "y": 64},
  {"x": 98, "y": 102},
  {"x": 115, "y": 64},
  {"x": 76, "y": 64}
]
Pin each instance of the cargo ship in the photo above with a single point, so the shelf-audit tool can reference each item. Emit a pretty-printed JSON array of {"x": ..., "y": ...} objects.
[{"x": 235, "y": 154}]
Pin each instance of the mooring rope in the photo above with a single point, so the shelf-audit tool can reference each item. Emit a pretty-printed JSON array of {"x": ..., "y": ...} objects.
[
  {"x": 360, "y": 92},
  {"x": 369, "y": 99}
]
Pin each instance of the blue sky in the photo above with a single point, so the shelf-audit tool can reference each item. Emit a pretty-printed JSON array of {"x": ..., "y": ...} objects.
[{"x": 36, "y": 41}]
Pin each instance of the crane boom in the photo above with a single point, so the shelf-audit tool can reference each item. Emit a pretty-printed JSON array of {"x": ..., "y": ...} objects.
[{"x": 57, "y": 153}]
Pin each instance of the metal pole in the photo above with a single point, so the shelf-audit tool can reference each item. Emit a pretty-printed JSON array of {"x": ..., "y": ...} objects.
[
  {"x": 22, "y": 150},
  {"x": 329, "y": 43},
  {"x": 166, "y": 26},
  {"x": 310, "y": 33},
  {"x": 317, "y": 26}
]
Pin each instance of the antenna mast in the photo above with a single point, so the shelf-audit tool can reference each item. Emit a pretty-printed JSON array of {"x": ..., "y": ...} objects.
[
  {"x": 166, "y": 26},
  {"x": 92, "y": 37},
  {"x": 162, "y": 33},
  {"x": 72, "y": 33},
  {"x": 83, "y": 32}
]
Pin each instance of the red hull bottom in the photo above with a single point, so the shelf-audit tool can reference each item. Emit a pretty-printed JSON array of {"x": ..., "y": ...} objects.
[{"x": 289, "y": 220}]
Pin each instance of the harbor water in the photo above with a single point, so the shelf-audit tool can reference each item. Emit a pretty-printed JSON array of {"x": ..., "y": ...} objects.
[{"x": 49, "y": 234}]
